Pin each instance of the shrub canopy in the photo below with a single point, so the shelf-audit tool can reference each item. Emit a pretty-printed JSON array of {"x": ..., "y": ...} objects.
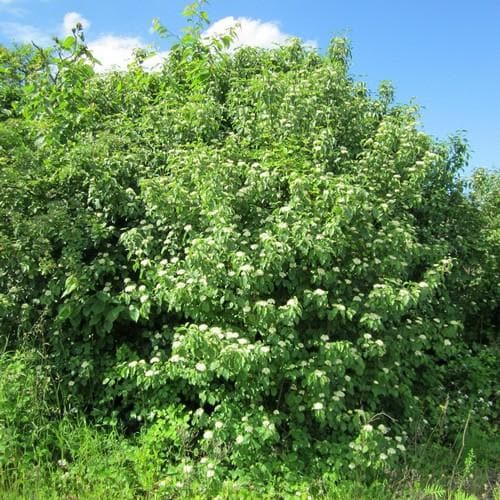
[{"x": 246, "y": 248}]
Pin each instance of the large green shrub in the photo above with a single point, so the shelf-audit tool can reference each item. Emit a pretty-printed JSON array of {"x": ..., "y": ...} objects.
[{"x": 247, "y": 250}]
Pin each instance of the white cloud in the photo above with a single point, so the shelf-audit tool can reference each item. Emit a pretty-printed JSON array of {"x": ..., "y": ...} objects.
[
  {"x": 252, "y": 32},
  {"x": 155, "y": 62},
  {"x": 6, "y": 2},
  {"x": 71, "y": 19},
  {"x": 24, "y": 33},
  {"x": 114, "y": 52}
]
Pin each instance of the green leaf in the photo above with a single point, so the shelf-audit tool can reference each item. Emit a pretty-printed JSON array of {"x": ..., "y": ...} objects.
[
  {"x": 158, "y": 28},
  {"x": 113, "y": 313},
  {"x": 204, "y": 16},
  {"x": 189, "y": 10},
  {"x": 134, "y": 313},
  {"x": 65, "y": 312},
  {"x": 97, "y": 308},
  {"x": 68, "y": 43},
  {"x": 70, "y": 286}
]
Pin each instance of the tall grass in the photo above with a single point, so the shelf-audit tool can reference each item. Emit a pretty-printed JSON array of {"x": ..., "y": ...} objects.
[{"x": 46, "y": 454}]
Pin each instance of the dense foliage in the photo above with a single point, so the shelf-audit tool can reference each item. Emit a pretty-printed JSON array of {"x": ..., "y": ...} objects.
[{"x": 246, "y": 253}]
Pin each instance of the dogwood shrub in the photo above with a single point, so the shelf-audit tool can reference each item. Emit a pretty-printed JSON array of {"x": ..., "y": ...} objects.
[{"x": 248, "y": 252}]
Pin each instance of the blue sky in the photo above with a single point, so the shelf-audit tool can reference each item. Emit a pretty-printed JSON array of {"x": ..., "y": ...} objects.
[{"x": 443, "y": 54}]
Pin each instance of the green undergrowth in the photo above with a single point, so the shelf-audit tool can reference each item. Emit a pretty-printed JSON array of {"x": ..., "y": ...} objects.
[{"x": 46, "y": 455}]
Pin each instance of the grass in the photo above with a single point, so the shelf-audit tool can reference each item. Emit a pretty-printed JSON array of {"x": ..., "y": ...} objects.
[
  {"x": 44, "y": 455},
  {"x": 79, "y": 461}
]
